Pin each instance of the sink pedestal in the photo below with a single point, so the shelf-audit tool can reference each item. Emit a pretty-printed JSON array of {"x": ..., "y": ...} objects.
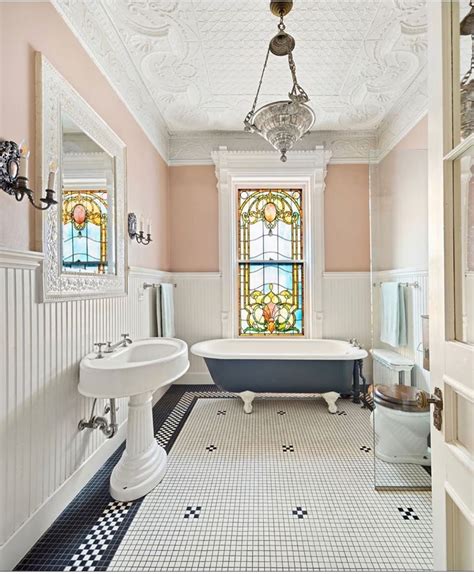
[{"x": 143, "y": 463}]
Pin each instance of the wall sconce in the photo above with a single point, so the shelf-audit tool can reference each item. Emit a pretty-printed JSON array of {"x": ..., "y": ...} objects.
[
  {"x": 139, "y": 236},
  {"x": 14, "y": 175}
]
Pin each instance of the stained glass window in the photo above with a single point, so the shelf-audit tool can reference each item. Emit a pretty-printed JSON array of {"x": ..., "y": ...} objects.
[
  {"x": 85, "y": 231},
  {"x": 270, "y": 251}
]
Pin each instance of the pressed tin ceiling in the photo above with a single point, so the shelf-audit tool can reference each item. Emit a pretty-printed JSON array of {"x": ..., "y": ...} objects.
[{"x": 200, "y": 60}]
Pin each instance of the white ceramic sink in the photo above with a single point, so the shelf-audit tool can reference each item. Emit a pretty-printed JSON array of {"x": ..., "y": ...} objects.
[
  {"x": 145, "y": 365},
  {"x": 136, "y": 371}
]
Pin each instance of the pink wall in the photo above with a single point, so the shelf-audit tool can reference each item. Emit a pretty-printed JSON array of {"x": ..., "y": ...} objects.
[
  {"x": 346, "y": 218},
  {"x": 400, "y": 204},
  {"x": 194, "y": 218},
  {"x": 29, "y": 27}
]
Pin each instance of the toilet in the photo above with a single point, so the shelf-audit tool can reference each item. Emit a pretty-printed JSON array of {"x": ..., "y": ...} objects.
[{"x": 401, "y": 427}]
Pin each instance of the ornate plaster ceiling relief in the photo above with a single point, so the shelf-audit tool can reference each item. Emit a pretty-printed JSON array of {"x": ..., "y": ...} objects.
[{"x": 185, "y": 66}]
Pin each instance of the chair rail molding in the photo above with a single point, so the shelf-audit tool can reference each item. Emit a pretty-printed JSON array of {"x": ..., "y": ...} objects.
[
  {"x": 305, "y": 169},
  {"x": 20, "y": 259}
]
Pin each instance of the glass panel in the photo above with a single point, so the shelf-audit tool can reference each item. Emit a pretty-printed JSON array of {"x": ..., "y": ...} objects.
[
  {"x": 465, "y": 72},
  {"x": 464, "y": 249},
  {"x": 271, "y": 268},
  {"x": 87, "y": 201},
  {"x": 270, "y": 222},
  {"x": 399, "y": 278},
  {"x": 271, "y": 299}
]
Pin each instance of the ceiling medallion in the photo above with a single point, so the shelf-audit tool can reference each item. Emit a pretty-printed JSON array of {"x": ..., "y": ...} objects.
[{"x": 284, "y": 122}]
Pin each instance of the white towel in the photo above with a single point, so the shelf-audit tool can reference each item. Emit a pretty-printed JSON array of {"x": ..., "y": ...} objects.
[
  {"x": 167, "y": 310},
  {"x": 393, "y": 328}
]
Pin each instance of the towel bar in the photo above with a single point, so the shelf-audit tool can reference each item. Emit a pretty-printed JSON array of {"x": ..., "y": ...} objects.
[
  {"x": 150, "y": 285},
  {"x": 415, "y": 284}
]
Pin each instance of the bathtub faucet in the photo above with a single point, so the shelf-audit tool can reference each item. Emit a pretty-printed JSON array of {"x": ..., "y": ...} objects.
[{"x": 355, "y": 343}]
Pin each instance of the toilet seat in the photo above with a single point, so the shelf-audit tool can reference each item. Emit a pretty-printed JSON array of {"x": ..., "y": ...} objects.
[{"x": 398, "y": 397}]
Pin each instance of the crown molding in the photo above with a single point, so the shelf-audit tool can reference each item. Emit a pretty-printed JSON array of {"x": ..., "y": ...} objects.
[
  {"x": 92, "y": 26},
  {"x": 196, "y": 148}
]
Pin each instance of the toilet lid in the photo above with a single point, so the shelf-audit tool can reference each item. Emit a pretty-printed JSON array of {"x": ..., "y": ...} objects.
[{"x": 400, "y": 397}]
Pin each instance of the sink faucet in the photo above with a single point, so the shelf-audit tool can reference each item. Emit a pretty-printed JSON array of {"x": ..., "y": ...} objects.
[
  {"x": 124, "y": 342},
  {"x": 355, "y": 343}
]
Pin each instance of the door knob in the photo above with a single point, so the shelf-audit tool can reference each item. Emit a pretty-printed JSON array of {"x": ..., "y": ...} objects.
[{"x": 424, "y": 399}]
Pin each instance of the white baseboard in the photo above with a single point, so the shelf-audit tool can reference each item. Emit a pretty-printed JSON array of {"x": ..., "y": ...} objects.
[{"x": 195, "y": 379}]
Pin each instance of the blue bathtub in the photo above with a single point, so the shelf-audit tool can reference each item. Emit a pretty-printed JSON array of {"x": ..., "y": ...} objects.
[{"x": 249, "y": 366}]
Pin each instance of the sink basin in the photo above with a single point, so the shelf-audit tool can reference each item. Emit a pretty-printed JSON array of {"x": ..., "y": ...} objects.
[
  {"x": 145, "y": 365},
  {"x": 136, "y": 371}
]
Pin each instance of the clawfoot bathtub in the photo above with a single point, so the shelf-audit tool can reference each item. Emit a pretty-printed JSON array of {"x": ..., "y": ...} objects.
[{"x": 323, "y": 367}]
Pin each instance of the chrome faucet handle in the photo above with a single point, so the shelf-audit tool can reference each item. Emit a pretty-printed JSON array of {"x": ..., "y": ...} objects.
[
  {"x": 108, "y": 348},
  {"x": 125, "y": 339},
  {"x": 99, "y": 350}
]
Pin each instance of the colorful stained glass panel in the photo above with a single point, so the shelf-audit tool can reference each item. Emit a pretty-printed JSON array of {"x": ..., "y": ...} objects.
[{"x": 271, "y": 262}]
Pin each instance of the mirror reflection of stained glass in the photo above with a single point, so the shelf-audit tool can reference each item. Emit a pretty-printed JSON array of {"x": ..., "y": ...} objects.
[{"x": 88, "y": 243}]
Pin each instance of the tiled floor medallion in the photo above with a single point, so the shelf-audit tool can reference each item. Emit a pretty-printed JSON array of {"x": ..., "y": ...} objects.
[
  {"x": 192, "y": 512},
  {"x": 248, "y": 490},
  {"x": 408, "y": 513},
  {"x": 300, "y": 512}
]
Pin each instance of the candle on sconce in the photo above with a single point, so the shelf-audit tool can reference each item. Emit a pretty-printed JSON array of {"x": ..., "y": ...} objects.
[
  {"x": 53, "y": 169},
  {"x": 149, "y": 226},
  {"x": 24, "y": 155},
  {"x": 142, "y": 224}
]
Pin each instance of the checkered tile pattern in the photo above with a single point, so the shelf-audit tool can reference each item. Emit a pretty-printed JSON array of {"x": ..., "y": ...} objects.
[
  {"x": 288, "y": 448},
  {"x": 343, "y": 413},
  {"x": 97, "y": 541},
  {"x": 408, "y": 513},
  {"x": 211, "y": 448},
  {"x": 300, "y": 512},
  {"x": 281, "y": 413},
  {"x": 365, "y": 449},
  {"x": 192, "y": 512}
]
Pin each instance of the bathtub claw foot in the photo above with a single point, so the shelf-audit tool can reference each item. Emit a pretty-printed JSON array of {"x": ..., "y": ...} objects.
[
  {"x": 247, "y": 397},
  {"x": 331, "y": 399}
]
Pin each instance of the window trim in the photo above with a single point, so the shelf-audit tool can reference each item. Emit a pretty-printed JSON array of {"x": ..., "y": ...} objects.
[{"x": 305, "y": 170}]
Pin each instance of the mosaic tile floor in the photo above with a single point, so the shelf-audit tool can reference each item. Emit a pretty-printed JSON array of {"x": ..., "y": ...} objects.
[{"x": 287, "y": 488}]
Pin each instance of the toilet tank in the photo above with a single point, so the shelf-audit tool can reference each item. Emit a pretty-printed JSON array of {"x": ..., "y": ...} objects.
[{"x": 391, "y": 368}]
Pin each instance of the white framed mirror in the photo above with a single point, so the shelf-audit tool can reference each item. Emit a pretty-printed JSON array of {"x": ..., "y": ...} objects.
[{"x": 83, "y": 236}]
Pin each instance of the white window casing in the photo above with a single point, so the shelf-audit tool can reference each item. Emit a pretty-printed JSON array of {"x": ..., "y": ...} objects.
[{"x": 243, "y": 169}]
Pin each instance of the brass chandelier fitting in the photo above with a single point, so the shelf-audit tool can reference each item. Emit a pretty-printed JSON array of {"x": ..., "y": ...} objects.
[{"x": 284, "y": 122}]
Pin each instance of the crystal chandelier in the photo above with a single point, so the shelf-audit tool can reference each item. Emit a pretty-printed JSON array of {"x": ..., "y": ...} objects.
[{"x": 284, "y": 122}]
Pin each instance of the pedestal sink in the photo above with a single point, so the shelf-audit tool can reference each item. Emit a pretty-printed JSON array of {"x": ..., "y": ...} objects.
[{"x": 136, "y": 371}]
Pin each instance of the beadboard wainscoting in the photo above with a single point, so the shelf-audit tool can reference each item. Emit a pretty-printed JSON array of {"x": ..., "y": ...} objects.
[
  {"x": 198, "y": 317},
  {"x": 346, "y": 312},
  {"x": 416, "y": 305},
  {"x": 45, "y": 460}
]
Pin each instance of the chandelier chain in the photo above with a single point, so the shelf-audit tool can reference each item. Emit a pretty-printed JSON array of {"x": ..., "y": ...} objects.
[{"x": 250, "y": 114}]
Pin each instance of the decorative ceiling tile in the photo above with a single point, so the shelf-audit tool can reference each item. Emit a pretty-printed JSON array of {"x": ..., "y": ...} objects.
[{"x": 194, "y": 65}]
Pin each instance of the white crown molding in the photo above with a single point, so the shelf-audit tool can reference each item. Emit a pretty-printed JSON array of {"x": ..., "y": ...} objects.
[
  {"x": 196, "y": 148},
  {"x": 92, "y": 26},
  {"x": 403, "y": 117},
  {"x": 19, "y": 259}
]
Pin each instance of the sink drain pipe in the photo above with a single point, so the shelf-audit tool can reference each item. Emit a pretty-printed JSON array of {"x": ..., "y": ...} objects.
[{"x": 109, "y": 429}]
